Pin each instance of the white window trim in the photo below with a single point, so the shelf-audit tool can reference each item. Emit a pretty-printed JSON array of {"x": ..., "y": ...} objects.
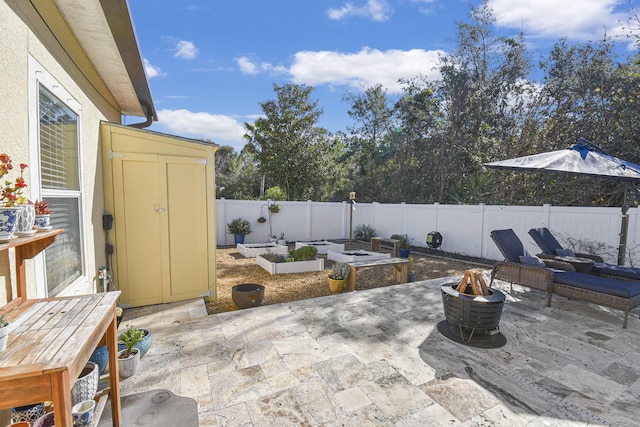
[{"x": 39, "y": 75}]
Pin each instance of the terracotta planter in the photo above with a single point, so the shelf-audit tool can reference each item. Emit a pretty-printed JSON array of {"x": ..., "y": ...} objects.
[
  {"x": 247, "y": 295},
  {"x": 337, "y": 286}
]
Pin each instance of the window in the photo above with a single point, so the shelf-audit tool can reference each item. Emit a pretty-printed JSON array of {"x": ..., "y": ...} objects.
[{"x": 58, "y": 149}]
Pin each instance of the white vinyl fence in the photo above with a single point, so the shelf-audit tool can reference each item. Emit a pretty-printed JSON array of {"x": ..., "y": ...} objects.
[{"x": 465, "y": 228}]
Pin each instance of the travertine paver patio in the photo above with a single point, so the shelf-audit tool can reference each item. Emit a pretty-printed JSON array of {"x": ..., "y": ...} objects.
[{"x": 375, "y": 357}]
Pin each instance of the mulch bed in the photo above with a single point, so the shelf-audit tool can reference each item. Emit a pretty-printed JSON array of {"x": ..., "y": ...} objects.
[{"x": 234, "y": 269}]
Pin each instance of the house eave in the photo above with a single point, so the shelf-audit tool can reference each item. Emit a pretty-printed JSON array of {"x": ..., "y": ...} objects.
[{"x": 105, "y": 32}]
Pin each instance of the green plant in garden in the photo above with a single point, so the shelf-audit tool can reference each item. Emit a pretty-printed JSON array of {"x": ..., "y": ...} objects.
[
  {"x": 303, "y": 254},
  {"x": 239, "y": 226},
  {"x": 130, "y": 338},
  {"x": 339, "y": 271},
  {"x": 364, "y": 232}
]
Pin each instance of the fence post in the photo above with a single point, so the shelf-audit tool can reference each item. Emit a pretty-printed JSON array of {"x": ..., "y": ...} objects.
[{"x": 309, "y": 220}]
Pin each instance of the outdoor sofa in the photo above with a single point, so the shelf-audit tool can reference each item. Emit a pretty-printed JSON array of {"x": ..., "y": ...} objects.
[
  {"x": 550, "y": 247},
  {"x": 557, "y": 277}
]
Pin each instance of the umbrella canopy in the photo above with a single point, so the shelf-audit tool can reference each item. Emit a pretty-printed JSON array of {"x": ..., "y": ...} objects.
[
  {"x": 579, "y": 159},
  {"x": 587, "y": 159}
]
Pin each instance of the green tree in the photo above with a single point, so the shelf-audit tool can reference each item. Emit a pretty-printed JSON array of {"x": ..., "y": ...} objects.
[{"x": 287, "y": 143}]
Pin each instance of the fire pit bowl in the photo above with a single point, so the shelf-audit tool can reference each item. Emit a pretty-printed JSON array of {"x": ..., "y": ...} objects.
[
  {"x": 247, "y": 295},
  {"x": 472, "y": 311},
  {"x": 472, "y": 308}
]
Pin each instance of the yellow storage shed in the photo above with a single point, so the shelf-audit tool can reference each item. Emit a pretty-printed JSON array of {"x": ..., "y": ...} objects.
[{"x": 160, "y": 190}]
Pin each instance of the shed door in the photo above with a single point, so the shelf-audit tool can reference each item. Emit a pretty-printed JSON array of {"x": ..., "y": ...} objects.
[{"x": 161, "y": 228}]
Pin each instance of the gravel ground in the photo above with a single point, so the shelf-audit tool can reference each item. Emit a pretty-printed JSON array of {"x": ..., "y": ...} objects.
[{"x": 234, "y": 269}]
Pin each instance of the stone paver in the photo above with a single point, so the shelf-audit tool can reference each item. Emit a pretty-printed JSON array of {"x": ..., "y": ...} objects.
[{"x": 376, "y": 358}]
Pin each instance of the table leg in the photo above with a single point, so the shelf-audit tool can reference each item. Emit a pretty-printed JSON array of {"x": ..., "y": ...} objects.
[
  {"x": 351, "y": 280},
  {"x": 401, "y": 272},
  {"x": 375, "y": 244},
  {"x": 114, "y": 374},
  {"x": 61, "y": 396}
]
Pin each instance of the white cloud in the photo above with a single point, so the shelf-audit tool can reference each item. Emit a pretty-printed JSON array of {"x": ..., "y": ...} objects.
[
  {"x": 377, "y": 10},
  {"x": 215, "y": 127},
  {"x": 151, "y": 70},
  {"x": 186, "y": 50},
  {"x": 365, "y": 68},
  {"x": 248, "y": 67},
  {"x": 576, "y": 19}
]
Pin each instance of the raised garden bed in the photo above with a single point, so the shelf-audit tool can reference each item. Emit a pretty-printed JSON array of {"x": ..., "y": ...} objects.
[
  {"x": 351, "y": 256},
  {"x": 290, "y": 267},
  {"x": 252, "y": 250},
  {"x": 322, "y": 246}
]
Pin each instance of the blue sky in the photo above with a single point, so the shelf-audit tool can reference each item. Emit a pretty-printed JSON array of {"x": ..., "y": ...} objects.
[{"x": 210, "y": 63}]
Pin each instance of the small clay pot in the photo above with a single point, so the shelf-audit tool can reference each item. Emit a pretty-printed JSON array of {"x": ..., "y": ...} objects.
[{"x": 247, "y": 295}]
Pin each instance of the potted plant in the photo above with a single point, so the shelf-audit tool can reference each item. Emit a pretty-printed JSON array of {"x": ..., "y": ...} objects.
[
  {"x": 403, "y": 246},
  {"x": 129, "y": 357},
  {"x": 43, "y": 214},
  {"x": 282, "y": 241},
  {"x": 4, "y": 333},
  {"x": 239, "y": 227},
  {"x": 274, "y": 208},
  {"x": 262, "y": 219},
  {"x": 11, "y": 198},
  {"x": 338, "y": 277}
]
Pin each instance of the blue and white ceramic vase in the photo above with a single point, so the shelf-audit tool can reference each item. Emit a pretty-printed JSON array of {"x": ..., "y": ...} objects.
[
  {"x": 43, "y": 221},
  {"x": 8, "y": 221}
]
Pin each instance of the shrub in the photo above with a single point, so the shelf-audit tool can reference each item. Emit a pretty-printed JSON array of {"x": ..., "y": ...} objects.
[
  {"x": 239, "y": 226},
  {"x": 364, "y": 232},
  {"x": 304, "y": 253}
]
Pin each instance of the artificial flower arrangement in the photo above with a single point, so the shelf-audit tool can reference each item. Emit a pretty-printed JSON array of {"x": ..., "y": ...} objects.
[{"x": 11, "y": 194}]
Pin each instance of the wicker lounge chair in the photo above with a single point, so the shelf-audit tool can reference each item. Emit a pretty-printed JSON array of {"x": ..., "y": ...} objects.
[
  {"x": 555, "y": 277},
  {"x": 550, "y": 247}
]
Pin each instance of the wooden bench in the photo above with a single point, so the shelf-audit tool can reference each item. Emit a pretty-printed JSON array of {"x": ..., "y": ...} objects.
[
  {"x": 375, "y": 245},
  {"x": 400, "y": 270}
]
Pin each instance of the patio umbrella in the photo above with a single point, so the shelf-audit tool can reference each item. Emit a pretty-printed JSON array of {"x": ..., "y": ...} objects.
[{"x": 586, "y": 159}]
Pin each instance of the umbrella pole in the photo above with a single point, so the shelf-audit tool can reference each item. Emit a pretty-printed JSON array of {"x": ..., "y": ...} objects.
[{"x": 624, "y": 227}]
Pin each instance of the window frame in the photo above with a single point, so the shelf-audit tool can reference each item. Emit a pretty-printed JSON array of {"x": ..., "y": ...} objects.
[{"x": 38, "y": 75}]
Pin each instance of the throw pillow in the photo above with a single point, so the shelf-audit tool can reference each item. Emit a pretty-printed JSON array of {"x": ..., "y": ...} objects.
[
  {"x": 565, "y": 252},
  {"x": 531, "y": 260}
]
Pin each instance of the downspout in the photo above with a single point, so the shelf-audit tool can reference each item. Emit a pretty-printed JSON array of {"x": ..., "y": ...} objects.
[{"x": 147, "y": 111}]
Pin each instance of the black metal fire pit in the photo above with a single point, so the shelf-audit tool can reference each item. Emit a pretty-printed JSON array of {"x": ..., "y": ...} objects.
[{"x": 472, "y": 319}]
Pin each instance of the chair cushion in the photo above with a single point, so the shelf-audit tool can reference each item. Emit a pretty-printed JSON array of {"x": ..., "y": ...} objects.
[
  {"x": 545, "y": 240},
  {"x": 603, "y": 285},
  {"x": 565, "y": 252},
  {"x": 531, "y": 260},
  {"x": 616, "y": 270}
]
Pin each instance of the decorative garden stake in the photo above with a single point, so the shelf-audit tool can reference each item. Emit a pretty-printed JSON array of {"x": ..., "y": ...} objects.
[{"x": 352, "y": 200}]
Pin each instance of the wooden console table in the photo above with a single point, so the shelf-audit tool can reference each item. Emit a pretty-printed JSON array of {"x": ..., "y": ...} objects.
[
  {"x": 375, "y": 245},
  {"x": 50, "y": 341},
  {"x": 27, "y": 248}
]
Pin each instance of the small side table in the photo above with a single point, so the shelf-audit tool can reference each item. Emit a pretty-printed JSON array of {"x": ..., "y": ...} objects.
[{"x": 582, "y": 265}]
